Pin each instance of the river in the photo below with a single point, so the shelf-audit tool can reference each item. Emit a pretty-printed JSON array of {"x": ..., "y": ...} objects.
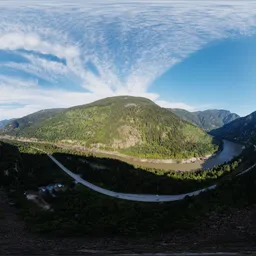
[{"x": 230, "y": 150}]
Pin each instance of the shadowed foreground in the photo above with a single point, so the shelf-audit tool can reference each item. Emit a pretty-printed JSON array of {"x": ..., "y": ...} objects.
[
  {"x": 86, "y": 223},
  {"x": 137, "y": 197},
  {"x": 219, "y": 233}
]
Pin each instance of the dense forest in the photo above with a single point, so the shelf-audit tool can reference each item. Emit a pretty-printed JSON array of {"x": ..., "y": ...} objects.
[
  {"x": 208, "y": 119},
  {"x": 241, "y": 130},
  {"x": 121, "y": 177},
  {"x": 15, "y": 126},
  {"x": 129, "y": 125},
  {"x": 79, "y": 211},
  {"x": 3, "y": 123}
]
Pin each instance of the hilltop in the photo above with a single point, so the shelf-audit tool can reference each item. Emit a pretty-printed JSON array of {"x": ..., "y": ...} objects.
[
  {"x": 130, "y": 125},
  {"x": 208, "y": 119}
]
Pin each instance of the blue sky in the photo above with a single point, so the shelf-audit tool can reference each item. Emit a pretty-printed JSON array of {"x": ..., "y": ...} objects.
[
  {"x": 221, "y": 75},
  {"x": 194, "y": 55}
]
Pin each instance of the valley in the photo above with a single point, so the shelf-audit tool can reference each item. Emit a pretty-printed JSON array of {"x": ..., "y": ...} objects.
[
  {"x": 167, "y": 177},
  {"x": 240, "y": 130},
  {"x": 127, "y": 127},
  {"x": 207, "y": 120},
  {"x": 134, "y": 197},
  {"x": 101, "y": 216},
  {"x": 132, "y": 126},
  {"x": 229, "y": 150}
]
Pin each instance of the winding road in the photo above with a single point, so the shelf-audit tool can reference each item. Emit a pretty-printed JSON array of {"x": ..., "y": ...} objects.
[{"x": 135, "y": 197}]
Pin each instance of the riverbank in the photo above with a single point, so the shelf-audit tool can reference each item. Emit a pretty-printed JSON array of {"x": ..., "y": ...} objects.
[
  {"x": 193, "y": 224},
  {"x": 164, "y": 164},
  {"x": 133, "y": 158},
  {"x": 113, "y": 153}
]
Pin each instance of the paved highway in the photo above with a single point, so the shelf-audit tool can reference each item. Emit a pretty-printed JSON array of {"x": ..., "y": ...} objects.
[{"x": 135, "y": 197}]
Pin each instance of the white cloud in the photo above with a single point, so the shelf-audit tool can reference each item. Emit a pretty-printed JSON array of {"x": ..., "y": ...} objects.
[
  {"x": 39, "y": 99},
  {"x": 130, "y": 45},
  {"x": 17, "y": 83},
  {"x": 166, "y": 104},
  {"x": 34, "y": 98},
  {"x": 32, "y": 42}
]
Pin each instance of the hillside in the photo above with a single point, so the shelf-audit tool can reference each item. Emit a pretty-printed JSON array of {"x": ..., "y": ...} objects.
[
  {"x": 208, "y": 119},
  {"x": 16, "y": 126},
  {"x": 242, "y": 130},
  {"x": 130, "y": 125},
  {"x": 3, "y": 123}
]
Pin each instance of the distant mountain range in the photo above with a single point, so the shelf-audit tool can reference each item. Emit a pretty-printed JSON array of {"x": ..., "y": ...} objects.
[
  {"x": 3, "y": 123},
  {"x": 129, "y": 125},
  {"x": 15, "y": 126},
  {"x": 135, "y": 126},
  {"x": 207, "y": 120},
  {"x": 241, "y": 130}
]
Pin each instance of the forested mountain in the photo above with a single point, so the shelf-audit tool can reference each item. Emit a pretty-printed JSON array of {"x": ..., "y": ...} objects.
[
  {"x": 16, "y": 126},
  {"x": 3, "y": 123},
  {"x": 130, "y": 125},
  {"x": 242, "y": 130},
  {"x": 208, "y": 119}
]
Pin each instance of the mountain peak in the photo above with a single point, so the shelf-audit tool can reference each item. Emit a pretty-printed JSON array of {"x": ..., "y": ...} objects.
[
  {"x": 130, "y": 125},
  {"x": 208, "y": 119}
]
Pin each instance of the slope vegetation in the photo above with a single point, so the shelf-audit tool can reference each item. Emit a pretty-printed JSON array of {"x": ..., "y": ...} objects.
[
  {"x": 3, "y": 123},
  {"x": 242, "y": 130},
  {"x": 208, "y": 119},
  {"x": 17, "y": 126},
  {"x": 129, "y": 125}
]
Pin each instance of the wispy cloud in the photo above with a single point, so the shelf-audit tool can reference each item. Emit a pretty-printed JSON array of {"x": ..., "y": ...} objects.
[
  {"x": 166, "y": 104},
  {"x": 129, "y": 44}
]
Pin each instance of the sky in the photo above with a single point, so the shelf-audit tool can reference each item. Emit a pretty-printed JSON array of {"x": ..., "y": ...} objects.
[{"x": 194, "y": 55}]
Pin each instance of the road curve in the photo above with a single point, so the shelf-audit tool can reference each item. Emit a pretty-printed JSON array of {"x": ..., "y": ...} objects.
[
  {"x": 131, "y": 197},
  {"x": 135, "y": 197}
]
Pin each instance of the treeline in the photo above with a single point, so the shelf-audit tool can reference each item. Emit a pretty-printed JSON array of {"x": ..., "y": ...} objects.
[{"x": 162, "y": 151}]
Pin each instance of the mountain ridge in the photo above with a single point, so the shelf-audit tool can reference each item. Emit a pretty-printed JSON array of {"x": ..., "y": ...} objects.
[
  {"x": 28, "y": 120},
  {"x": 241, "y": 130},
  {"x": 4, "y": 122},
  {"x": 207, "y": 119},
  {"x": 130, "y": 125}
]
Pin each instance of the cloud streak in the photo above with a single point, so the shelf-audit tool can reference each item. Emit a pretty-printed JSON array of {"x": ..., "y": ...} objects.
[{"x": 129, "y": 44}]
